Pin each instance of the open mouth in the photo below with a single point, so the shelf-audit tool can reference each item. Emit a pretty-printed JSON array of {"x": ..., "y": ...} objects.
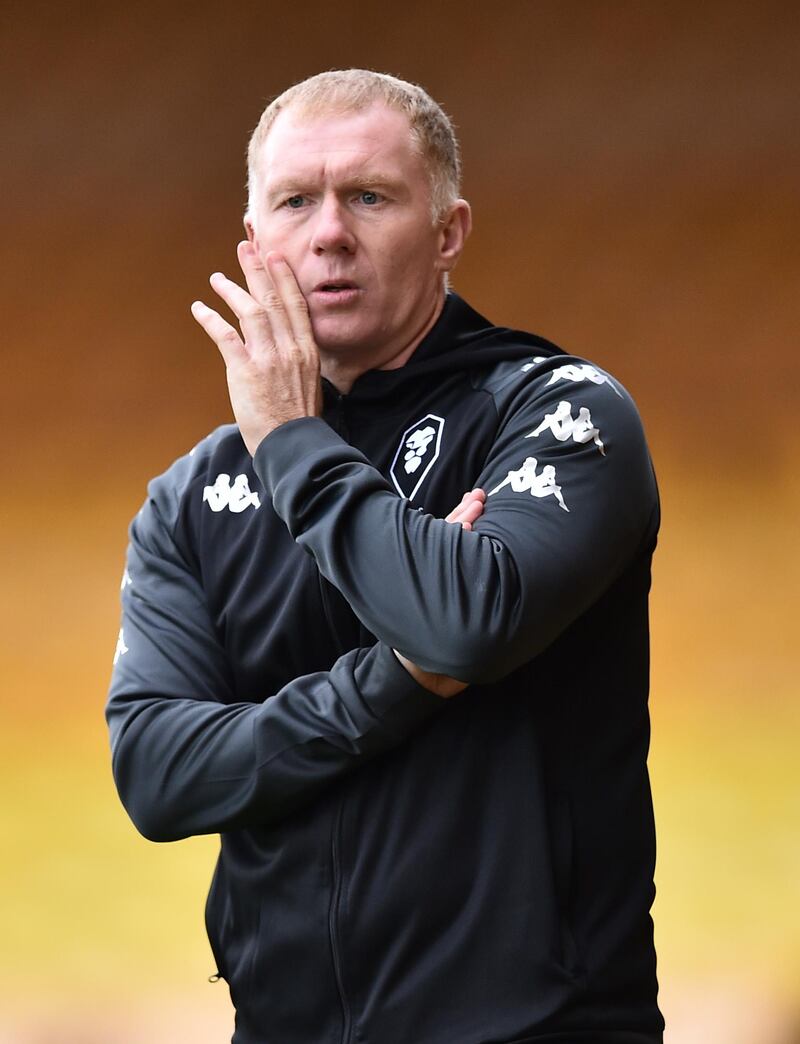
[
  {"x": 337, "y": 292},
  {"x": 335, "y": 287}
]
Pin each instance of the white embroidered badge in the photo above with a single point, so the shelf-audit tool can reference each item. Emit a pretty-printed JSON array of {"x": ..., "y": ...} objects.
[{"x": 416, "y": 454}]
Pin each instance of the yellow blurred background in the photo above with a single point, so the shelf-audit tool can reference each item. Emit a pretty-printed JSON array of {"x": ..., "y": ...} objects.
[{"x": 634, "y": 170}]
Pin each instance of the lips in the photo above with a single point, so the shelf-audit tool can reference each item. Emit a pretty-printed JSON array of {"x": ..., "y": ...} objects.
[
  {"x": 332, "y": 286},
  {"x": 335, "y": 294}
]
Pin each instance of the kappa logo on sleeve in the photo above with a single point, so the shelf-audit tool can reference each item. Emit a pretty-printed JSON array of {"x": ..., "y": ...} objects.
[
  {"x": 121, "y": 647},
  {"x": 236, "y": 497},
  {"x": 417, "y": 453},
  {"x": 527, "y": 480},
  {"x": 534, "y": 362},
  {"x": 584, "y": 372},
  {"x": 563, "y": 425}
]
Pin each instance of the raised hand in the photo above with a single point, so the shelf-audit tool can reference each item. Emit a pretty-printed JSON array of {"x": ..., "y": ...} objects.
[{"x": 272, "y": 362}]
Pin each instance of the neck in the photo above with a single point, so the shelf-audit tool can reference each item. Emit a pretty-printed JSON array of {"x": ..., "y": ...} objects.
[{"x": 343, "y": 372}]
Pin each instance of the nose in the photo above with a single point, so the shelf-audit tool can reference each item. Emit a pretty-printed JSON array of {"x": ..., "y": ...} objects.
[{"x": 332, "y": 232}]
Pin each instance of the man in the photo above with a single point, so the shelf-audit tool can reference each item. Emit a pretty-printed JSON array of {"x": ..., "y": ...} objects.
[{"x": 423, "y": 744}]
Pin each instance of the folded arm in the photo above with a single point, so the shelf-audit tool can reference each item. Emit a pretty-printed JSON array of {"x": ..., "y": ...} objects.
[
  {"x": 562, "y": 519},
  {"x": 187, "y": 758}
]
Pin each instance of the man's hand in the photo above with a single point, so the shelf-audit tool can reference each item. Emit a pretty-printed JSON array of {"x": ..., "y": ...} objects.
[
  {"x": 467, "y": 512},
  {"x": 273, "y": 367}
]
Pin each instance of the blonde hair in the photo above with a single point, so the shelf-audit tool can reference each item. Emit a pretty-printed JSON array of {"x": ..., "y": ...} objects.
[{"x": 352, "y": 90}]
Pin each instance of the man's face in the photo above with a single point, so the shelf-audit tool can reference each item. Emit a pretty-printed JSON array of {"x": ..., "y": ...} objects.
[{"x": 346, "y": 199}]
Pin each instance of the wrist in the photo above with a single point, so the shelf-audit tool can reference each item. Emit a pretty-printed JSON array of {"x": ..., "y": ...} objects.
[{"x": 439, "y": 684}]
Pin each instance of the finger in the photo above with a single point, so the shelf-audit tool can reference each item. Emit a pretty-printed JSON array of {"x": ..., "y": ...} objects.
[
  {"x": 461, "y": 517},
  {"x": 256, "y": 276},
  {"x": 252, "y": 317},
  {"x": 263, "y": 291},
  {"x": 467, "y": 514},
  {"x": 262, "y": 288},
  {"x": 221, "y": 333},
  {"x": 469, "y": 507},
  {"x": 468, "y": 511},
  {"x": 295, "y": 304},
  {"x": 453, "y": 516},
  {"x": 471, "y": 512}
]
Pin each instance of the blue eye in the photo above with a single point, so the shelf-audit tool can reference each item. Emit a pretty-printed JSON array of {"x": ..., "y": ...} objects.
[
  {"x": 295, "y": 202},
  {"x": 370, "y": 198}
]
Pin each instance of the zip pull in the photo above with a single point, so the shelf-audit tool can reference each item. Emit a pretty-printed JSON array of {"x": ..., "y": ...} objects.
[{"x": 215, "y": 977}]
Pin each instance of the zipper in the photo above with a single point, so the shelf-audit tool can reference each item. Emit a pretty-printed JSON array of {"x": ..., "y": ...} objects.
[
  {"x": 213, "y": 923},
  {"x": 333, "y": 918},
  {"x": 339, "y": 424}
]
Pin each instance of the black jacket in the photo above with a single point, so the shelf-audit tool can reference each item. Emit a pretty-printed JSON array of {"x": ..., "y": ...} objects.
[{"x": 396, "y": 868}]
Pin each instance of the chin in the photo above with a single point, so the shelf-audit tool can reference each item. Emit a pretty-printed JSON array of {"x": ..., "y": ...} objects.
[{"x": 338, "y": 334}]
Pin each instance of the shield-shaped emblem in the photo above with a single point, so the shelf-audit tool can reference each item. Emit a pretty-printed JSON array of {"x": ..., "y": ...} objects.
[{"x": 417, "y": 453}]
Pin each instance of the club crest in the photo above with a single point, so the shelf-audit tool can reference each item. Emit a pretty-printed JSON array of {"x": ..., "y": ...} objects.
[{"x": 417, "y": 453}]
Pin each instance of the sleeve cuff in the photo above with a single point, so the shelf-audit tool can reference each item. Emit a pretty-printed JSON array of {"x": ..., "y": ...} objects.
[
  {"x": 391, "y": 694},
  {"x": 288, "y": 447}
]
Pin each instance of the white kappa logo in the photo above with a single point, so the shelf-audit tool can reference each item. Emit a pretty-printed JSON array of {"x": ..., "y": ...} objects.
[
  {"x": 562, "y": 425},
  {"x": 526, "y": 480},
  {"x": 121, "y": 647},
  {"x": 236, "y": 497},
  {"x": 535, "y": 362},
  {"x": 584, "y": 372},
  {"x": 417, "y": 453}
]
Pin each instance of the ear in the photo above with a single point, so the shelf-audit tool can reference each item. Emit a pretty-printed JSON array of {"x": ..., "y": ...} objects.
[
  {"x": 250, "y": 228},
  {"x": 453, "y": 231}
]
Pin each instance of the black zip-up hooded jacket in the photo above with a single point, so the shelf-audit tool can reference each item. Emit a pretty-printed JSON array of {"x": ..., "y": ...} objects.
[{"x": 396, "y": 868}]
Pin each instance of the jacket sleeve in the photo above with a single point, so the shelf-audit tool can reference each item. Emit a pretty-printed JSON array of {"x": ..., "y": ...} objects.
[
  {"x": 187, "y": 760},
  {"x": 571, "y": 500}
]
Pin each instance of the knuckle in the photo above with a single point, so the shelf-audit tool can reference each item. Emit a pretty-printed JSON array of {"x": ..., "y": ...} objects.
[
  {"x": 298, "y": 303},
  {"x": 252, "y": 310},
  {"x": 307, "y": 345}
]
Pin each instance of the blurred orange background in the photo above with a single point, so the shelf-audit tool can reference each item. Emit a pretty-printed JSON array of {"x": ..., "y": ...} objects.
[{"x": 633, "y": 169}]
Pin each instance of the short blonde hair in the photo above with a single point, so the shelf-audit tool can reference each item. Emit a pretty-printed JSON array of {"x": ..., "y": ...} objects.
[{"x": 352, "y": 90}]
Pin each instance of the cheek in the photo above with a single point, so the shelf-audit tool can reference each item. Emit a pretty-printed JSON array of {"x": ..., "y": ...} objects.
[
  {"x": 275, "y": 235},
  {"x": 405, "y": 251},
  {"x": 411, "y": 268}
]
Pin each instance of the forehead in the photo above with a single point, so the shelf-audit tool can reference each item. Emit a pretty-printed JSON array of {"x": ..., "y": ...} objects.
[{"x": 334, "y": 143}]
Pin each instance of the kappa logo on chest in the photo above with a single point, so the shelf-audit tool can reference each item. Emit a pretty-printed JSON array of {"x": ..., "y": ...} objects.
[
  {"x": 416, "y": 454},
  {"x": 236, "y": 497}
]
